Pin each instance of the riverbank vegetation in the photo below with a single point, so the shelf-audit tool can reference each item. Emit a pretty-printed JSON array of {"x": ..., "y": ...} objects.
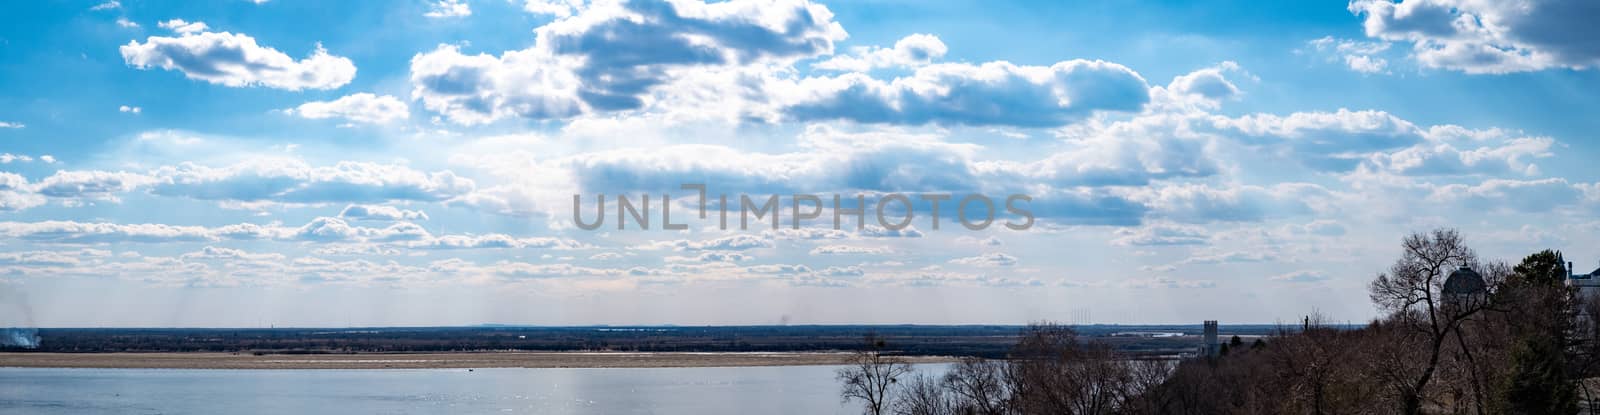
[{"x": 1458, "y": 334}]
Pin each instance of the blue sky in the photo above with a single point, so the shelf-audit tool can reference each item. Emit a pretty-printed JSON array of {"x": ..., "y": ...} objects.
[{"x": 242, "y": 163}]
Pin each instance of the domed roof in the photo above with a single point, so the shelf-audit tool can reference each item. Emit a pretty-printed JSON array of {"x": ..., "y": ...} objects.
[{"x": 1464, "y": 281}]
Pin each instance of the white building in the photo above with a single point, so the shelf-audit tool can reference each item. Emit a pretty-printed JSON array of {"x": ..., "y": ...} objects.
[{"x": 1588, "y": 284}]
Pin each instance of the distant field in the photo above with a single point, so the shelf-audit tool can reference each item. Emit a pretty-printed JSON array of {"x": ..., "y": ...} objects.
[
  {"x": 916, "y": 340},
  {"x": 206, "y": 360}
]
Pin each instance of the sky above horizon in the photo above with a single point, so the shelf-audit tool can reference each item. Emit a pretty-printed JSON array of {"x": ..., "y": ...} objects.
[{"x": 296, "y": 163}]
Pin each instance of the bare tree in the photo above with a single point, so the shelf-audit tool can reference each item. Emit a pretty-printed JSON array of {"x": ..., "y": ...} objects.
[
  {"x": 1413, "y": 293},
  {"x": 979, "y": 386},
  {"x": 1051, "y": 372},
  {"x": 872, "y": 376},
  {"x": 923, "y": 394}
]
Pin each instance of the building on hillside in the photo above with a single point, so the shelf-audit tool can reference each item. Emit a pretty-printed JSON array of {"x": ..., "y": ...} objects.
[
  {"x": 1464, "y": 286},
  {"x": 1587, "y": 284}
]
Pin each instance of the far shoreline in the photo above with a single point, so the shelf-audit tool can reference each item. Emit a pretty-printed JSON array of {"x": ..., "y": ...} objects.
[{"x": 455, "y": 360}]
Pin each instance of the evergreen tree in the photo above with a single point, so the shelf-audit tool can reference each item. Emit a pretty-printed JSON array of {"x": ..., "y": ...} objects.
[{"x": 1538, "y": 382}]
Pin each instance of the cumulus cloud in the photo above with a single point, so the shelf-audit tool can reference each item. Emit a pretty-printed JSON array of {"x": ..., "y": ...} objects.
[
  {"x": 361, "y": 107},
  {"x": 495, "y": 240},
  {"x": 1124, "y": 153},
  {"x": 1208, "y": 83},
  {"x": 1302, "y": 276},
  {"x": 15, "y": 194},
  {"x": 9, "y": 124},
  {"x": 90, "y": 184},
  {"x": 182, "y": 27},
  {"x": 474, "y": 89},
  {"x": 1336, "y": 140},
  {"x": 326, "y": 229},
  {"x": 216, "y": 253},
  {"x": 1163, "y": 282},
  {"x": 557, "y": 8},
  {"x": 710, "y": 257},
  {"x": 737, "y": 242},
  {"x": 130, "y": 110},
  {"x": 914, "y": 50},
  {"x": 1508, "y": 195},
  {"x": 610, "y": 55},
  {"x": 294, "y": 181},
  {"x": 448, "y": 8},
  {"x": 8, "y": 158},
  {"x": 81, "y": 232},
  {"x": 1357, "y": 55},
  {"x": 1489, "y": 153},
  {"x": 1160, "y": 234},
  {"x": 848, "y": 250},
  {"x": 236, "y": 60},
  {"x": 1488, "y": 37},
  {"x": 1198, "y": 203},
  {"x": 993, "y": 93},
  {"x": 993, "y": 259},
  {"x": 381, "y": 213}
]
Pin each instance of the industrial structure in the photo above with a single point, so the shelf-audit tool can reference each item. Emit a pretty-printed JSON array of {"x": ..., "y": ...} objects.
[{"x": 1210, "y": 346}]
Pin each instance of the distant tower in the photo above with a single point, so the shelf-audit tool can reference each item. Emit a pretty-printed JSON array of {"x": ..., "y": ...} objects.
[{"x": 1210, "y": 347}]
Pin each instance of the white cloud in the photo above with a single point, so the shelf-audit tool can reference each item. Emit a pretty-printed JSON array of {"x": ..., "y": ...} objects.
[
  {"x": 1359, "y": 56},
  {"x": 108, "y": 5},
  {"x": 492, "y": 241},
  {"x": 8, "y": 124},
  {"x": 127, "y": 24},
  {"x": 1505, "y": 195},
  {"x": 1490, "y": 152},
  {"x": 294, "y": 181},
  {"x": 611, "y": 55},
  {"x": 557, "y": 8},
  {"x": 1302, "y": 277},
  {"x": 80, "y": 232},
  {"x": 236, "y": 60},
  {"x": 183, "y": 27},
  {"x": 710, "y": 257},
  {"x": 448, "y": 8},
  {"x": 1198, "y": 203},
  {"x": 215, "y": 253},
  {"x": 381, "y": 213},
  {"x": 848, "y": 250},
  {"x": 474, "y": 89},
  {"x": 90, "y": 184},
  {"x": 738, "y": 242},
  {"x": 1164, "y": 282},
  {"x": 914, "y": 50},
  {"x": 993, "y": 259},
  {"x": 1208, "y": 83},
  {"x": 130, "y": 110},
  {"x": 15, "y": 194},
  {"x": 359, "y": 107},
  {"x": 989, "y": 241},
  {"x": 1335, "y": 141},
  {"x": 1161, "y": 234},
  {"x": 993, "y": 93},
  {"x": 1488, "y": 37}
]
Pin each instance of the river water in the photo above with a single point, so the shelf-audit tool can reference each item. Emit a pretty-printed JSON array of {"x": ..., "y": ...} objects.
[{"x": 741, "y": 390}]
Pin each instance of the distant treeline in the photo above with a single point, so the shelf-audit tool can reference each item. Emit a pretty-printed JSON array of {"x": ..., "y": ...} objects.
[{"x": 985, "y": 341}]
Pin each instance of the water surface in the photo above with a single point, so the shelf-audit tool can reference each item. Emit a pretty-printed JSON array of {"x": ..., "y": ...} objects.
[{"x": 732, "y": 390}]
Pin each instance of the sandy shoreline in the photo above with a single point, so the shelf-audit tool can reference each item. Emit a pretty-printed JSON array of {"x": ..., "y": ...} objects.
[{"x": 426, "y": 360}]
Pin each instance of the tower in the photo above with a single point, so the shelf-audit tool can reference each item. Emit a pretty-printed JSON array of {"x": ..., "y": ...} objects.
[{"x": 1209, "y": 346}]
